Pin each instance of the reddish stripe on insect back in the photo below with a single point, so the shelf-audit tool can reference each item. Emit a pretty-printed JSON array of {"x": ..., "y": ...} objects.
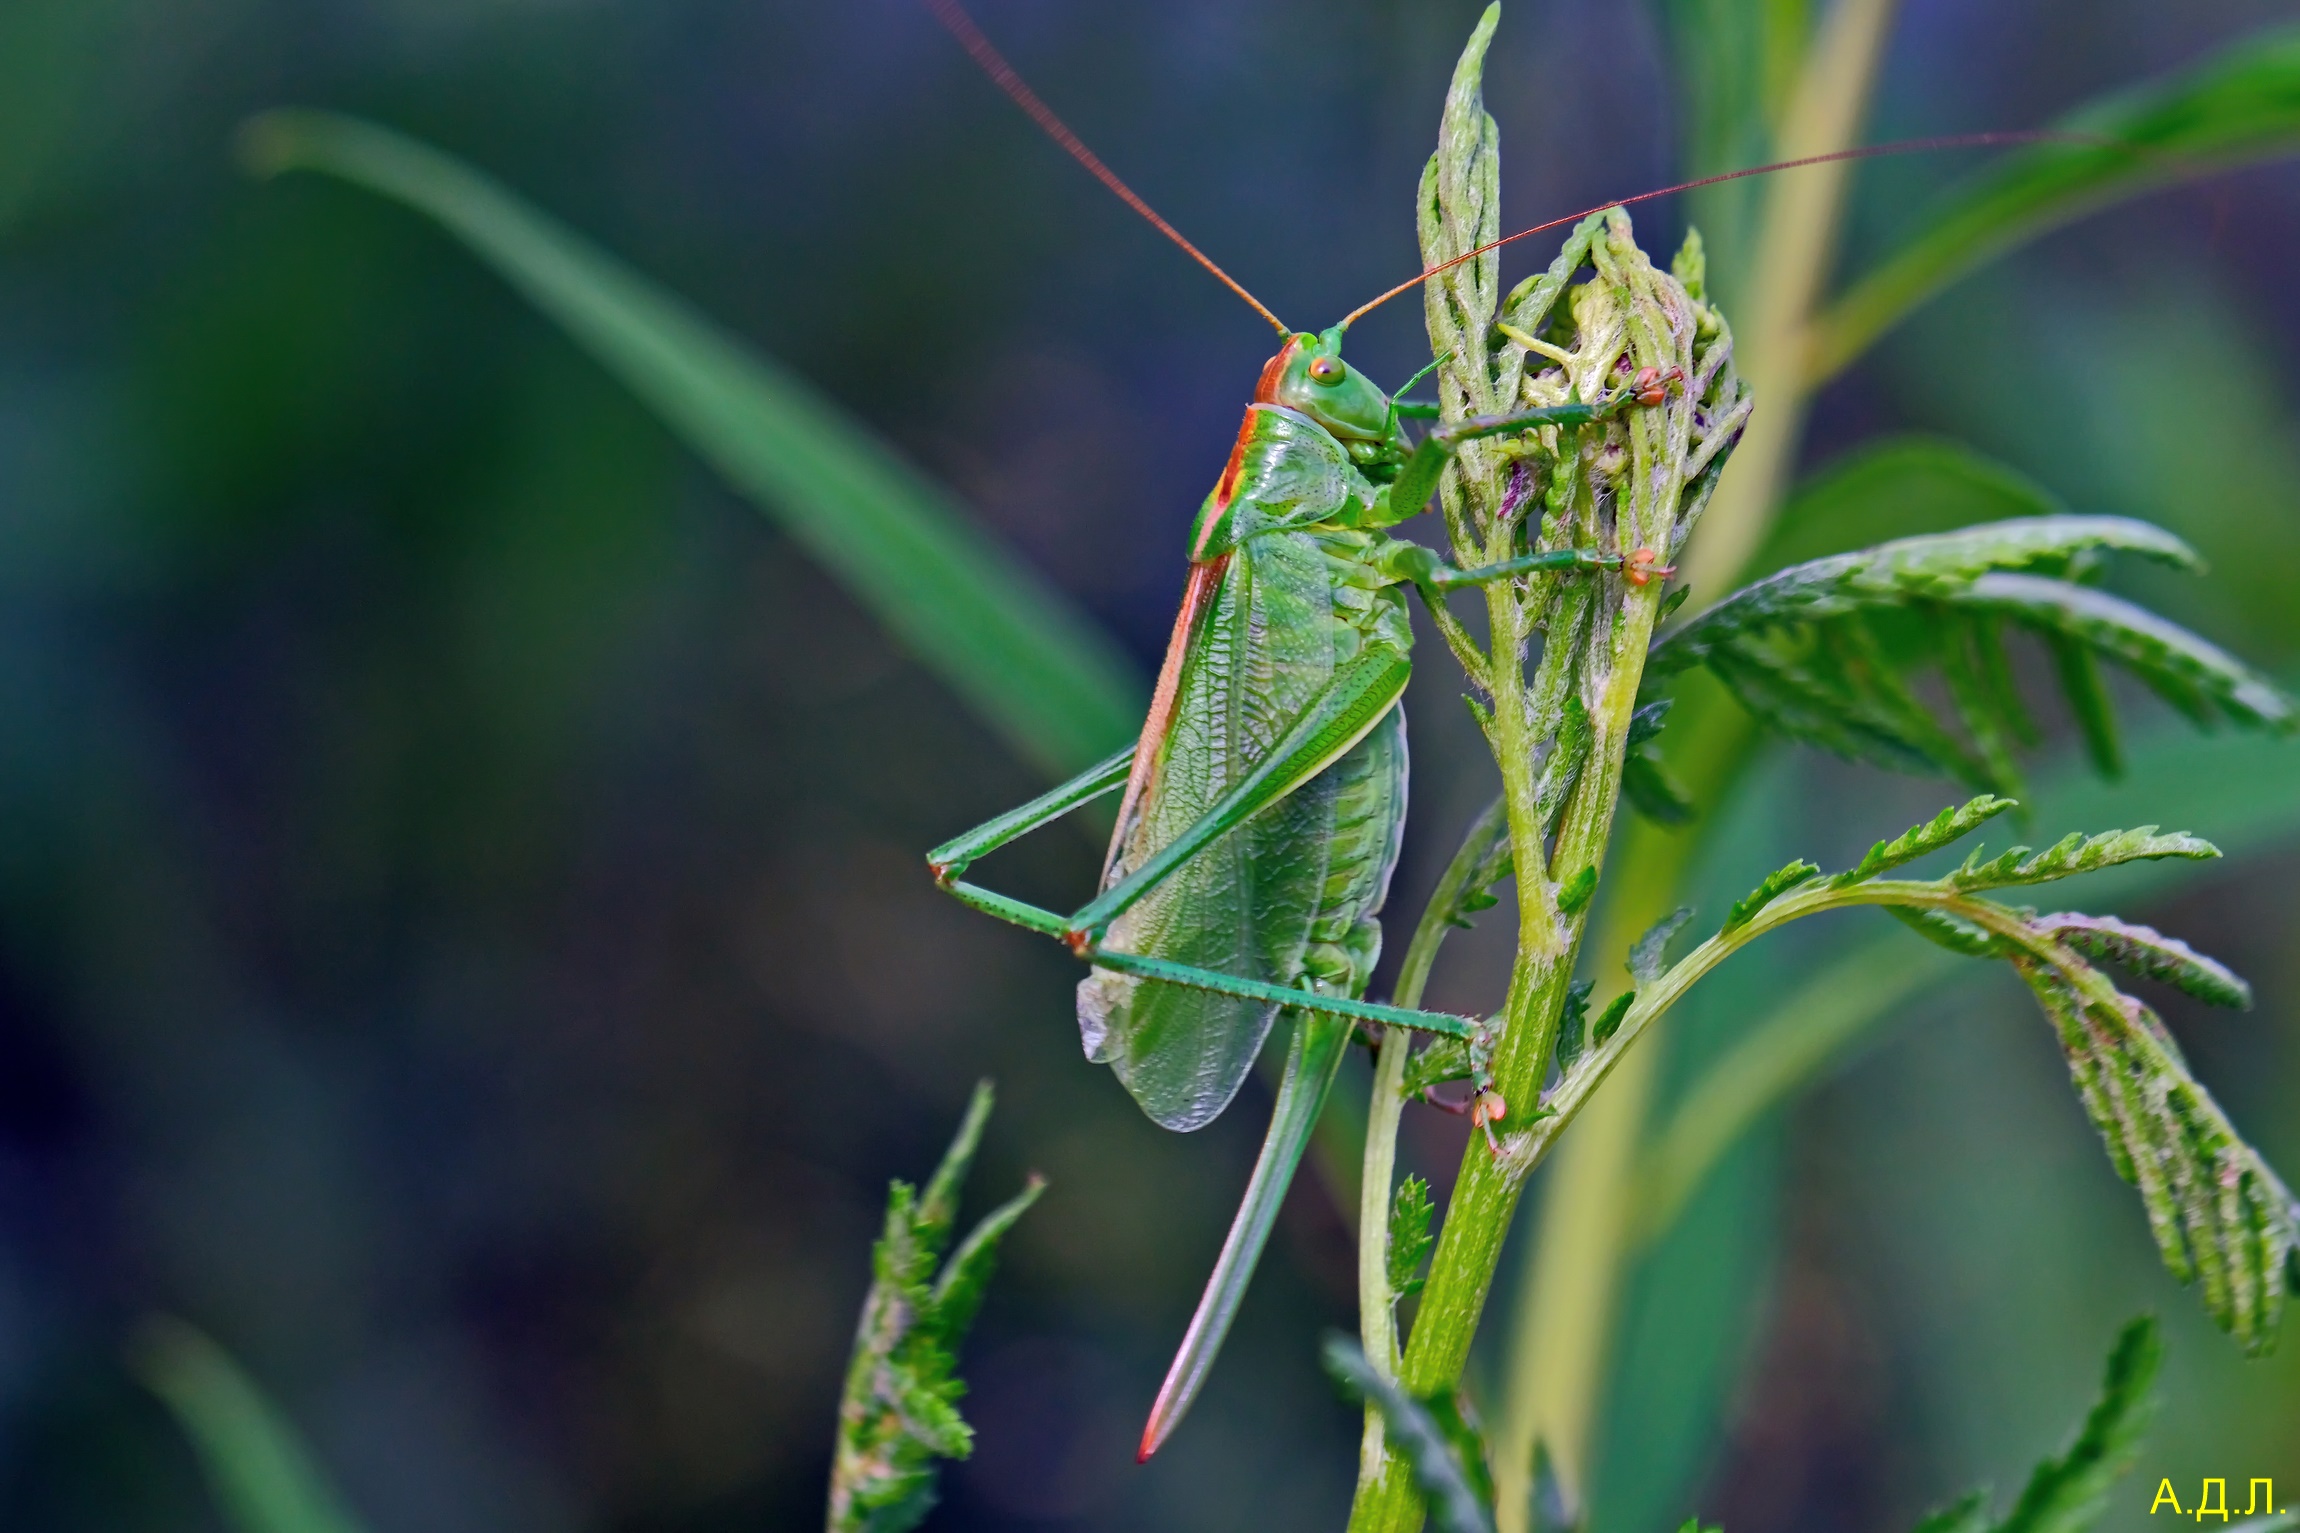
[{"x": 1197, "y": 596}]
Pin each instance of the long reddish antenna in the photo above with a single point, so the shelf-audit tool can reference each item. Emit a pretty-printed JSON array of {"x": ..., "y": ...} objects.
[
  {"x": 1868, "y": 152},
  {"x": 994, "y": 64}
]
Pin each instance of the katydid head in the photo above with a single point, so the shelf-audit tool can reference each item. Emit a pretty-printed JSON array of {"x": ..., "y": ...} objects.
[{"x": 1309, "y": 375}]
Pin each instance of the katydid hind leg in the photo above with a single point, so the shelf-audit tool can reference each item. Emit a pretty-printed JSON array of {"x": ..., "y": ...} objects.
[
  {"x": 950, "y": 859},
  {"x": 1312, "y": 1061}
]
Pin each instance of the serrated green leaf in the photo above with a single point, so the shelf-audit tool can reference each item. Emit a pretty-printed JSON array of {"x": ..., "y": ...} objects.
[
  {"x": 1015, "y": 649},
  {"x": 1567, "y": 756},
  {"x": 2221, "y": 1218},
  {"x": 2068, "y": 1492},
  {"x": 1644, "y": 779},
  {"x": 2081, "y": 684},
  {"x": 1573, "y": 1023},
  {"x": 2238, "y": 106},
  {"x": 262, "y": 1476},
  {"x": 1410, "y": 1238},
  {"x": 1647, "y": 955},
  {"x": 2147, "y": 952},
  {"x": 1933, "y": 566},
  {"x": 1609, "y": 1021},
  {"x": 1777, "y": 883},
  {"x": 899, "y": 1410},
  {"x": 2076, "y": 853},
  {"x": 2180, "y": 666},
  {"x": 1454, "y": 1505},
  {"x": 1951, "y": 825},
  {"x": 1953, "y": 932},
  {"x": 1447, "y": 1059}
]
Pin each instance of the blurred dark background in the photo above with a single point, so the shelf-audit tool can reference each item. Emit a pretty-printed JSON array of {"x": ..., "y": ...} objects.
[{"x": 462, "y": 937}]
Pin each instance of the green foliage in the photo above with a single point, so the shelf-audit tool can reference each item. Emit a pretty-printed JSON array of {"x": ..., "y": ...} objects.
[
  {"x": 1777, "y": 883},
  {"x": 1016, "y": 650},
  {"x": 1574, "y": 893},
  {"x": 260, "y": 1472},
  {"x": 2077, "y": 853},
  {"x": 1448, "y": 1485},
  {"x": 1648, "y": 954},
  {"x": 2238, "y": 106},
  {"x": 2220, "y": 1216},
  {"x": 1645, "y": 781},
  {"x": 1410, "y": 1237},
  {"x": 2148, "y": 953},
  {"x": 2068, "y": 1492},
  {"x": 1609, "y": 1021},
  {"x": 899, "y": 1411},
  {"x": 1573, "y": 1022},
  {"x": 1951, "y": 825},
  {"x": 1830, "y": 651}
]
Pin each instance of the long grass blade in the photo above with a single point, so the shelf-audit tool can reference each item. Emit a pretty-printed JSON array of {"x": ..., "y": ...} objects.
[
  {"x": 263, "y": 1476},
  {"x": 2238, "y": 107},
  {"x": 1027, "y": 661}
]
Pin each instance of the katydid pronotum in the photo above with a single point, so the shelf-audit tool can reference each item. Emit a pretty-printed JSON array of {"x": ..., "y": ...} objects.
[{"x": 1264, "y": 800}]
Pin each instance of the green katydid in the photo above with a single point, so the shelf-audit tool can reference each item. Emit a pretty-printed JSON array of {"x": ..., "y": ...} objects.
[{"x": 1265, "y": 798}]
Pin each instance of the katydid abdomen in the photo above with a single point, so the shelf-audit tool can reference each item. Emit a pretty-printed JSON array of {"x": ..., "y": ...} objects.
[{"x": 1280, "y": 598}]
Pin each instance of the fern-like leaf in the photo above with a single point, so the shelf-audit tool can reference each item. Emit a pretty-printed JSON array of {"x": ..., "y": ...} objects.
[
  {"x": 2067, "y": 1492},
  {"x": 1832, "y": 651},
  {"x": 1410, "y": 1237},
  {"x": 2147, "y": 952},
  {"x": 899, "y": 1411},
  {"x": 1777, "y": 883},
  {"x": 2221, "y": 1217},
  {"x": 2078, "y": 853},
  {"x": 1446, "y": 1484},
  {"x": 1949, "y": 826}
]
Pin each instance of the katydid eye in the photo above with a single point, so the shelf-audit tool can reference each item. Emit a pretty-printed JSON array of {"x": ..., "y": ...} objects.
[{"x": 1328, "y": 370}]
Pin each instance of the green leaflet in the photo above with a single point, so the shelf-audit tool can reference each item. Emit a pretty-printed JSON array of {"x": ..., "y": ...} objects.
[
  {"x": 2077, "y": 853},
  {"x": 260, "y": 1472},
  {"x": 2068, "y": 1492},
  {"x": 2147, "y": 952},
  {"x": 1960, "y": 936},
  {"x": 1573, "y": 1023},
  {"x": 2238, "y": 106},
  {"x": 2221, "y": 1218},
  {"x": 1900, "y": 487},
  {"x": 1028, "y": 662},
  {"x": 1647, "y": 954},
  {"x": 1777, "y": 883},
  {"x": 1645, "y": 780},
  {"x": 1829, "y": 651},
  {"x": 1446, "y": 1485},
  {"x": 1410, "y": 1237},
  {"x": 899, "y": 1411},
  {"x": 1609, "y": 1021},
  {"x": 2248, "y": 793},
  {"x": 1575, "y": 891},
  {"x": 1950, "y": 825}
]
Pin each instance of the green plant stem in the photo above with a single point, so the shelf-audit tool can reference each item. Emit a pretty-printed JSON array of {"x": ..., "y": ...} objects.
[
  {"x": 1377, "y": 1306},
  {"x": 1605, "y": 675}
]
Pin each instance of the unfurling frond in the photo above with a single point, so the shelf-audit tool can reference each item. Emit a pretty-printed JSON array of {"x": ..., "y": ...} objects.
[
  {"x": 1835, "y": 651},
  {"x": 899, "y": 1412}
]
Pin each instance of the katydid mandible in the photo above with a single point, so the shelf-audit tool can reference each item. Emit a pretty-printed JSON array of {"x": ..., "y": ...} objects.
[{"x": 1264, "y": 801}]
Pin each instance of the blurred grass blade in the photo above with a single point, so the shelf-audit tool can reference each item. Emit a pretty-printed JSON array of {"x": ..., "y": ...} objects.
[
  {"x": 262, "y": 1475},
  {"x": 1446, "y": 1485},
  {"x": 1031, "y": 665},
  {"x": 2238, "y": 106},
  {"x": 2245, "y": 794}
]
